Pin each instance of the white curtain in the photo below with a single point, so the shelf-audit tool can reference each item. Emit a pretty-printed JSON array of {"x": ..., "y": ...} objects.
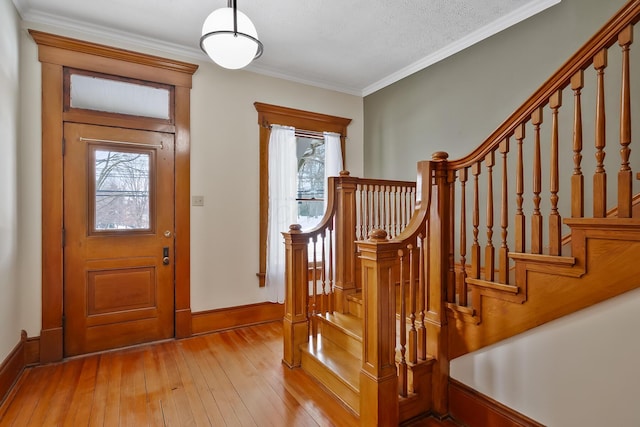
[
  {"x": 332, "y": 159},
  {"x": 283, "y": 209}
]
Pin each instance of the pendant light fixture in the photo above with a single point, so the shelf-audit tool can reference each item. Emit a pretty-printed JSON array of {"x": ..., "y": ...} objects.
[{"x": 230, "y": 38}]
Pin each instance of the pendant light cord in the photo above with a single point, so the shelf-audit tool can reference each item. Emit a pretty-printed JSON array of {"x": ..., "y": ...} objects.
[{"x": 232, "y": 4}]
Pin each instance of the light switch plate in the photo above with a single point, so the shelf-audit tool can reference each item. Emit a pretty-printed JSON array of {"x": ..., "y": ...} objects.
[{"x": 197, "y": 200}]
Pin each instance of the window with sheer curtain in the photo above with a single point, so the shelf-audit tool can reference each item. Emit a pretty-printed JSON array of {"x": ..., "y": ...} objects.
[
  {"x": 318, "y": 152},
  {"x": 299, "y": 167}
]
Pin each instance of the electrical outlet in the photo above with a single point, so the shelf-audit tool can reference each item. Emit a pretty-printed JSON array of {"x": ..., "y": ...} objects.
[{"x": 197, "y": 200}]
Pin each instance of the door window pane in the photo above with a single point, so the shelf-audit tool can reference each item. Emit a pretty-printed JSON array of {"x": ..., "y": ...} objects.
[{"x": 121, "y": 190}]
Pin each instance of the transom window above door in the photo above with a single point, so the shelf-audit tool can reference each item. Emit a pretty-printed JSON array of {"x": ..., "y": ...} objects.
[{"x": 106, "y": 95}]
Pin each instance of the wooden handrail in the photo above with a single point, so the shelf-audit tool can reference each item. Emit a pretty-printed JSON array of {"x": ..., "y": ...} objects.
[{"x": 606, "y": 37}]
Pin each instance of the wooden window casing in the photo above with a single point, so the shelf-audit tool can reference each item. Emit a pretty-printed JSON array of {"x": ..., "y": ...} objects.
[{"x": 269, "y": 115}]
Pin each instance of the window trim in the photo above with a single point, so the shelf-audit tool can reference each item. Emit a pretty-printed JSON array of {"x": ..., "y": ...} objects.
[{"x": 269, "y": 115}]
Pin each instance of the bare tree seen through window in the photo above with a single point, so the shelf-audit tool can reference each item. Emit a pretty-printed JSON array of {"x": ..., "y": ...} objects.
[
  {"x": 310, "y": 181},
  {"x": 122, "y": 190}
]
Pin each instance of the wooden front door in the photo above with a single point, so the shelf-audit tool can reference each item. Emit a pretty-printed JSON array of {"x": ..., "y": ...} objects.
[{"x": 118, "y": 237}]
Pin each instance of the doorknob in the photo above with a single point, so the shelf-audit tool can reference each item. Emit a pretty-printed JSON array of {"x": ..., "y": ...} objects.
[{"x": 165, "y": 255}]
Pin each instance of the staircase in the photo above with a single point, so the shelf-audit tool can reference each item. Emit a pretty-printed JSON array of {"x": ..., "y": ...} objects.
[
  {"x": 407, "y": 276},
  {"x": 333, "y": 356}
]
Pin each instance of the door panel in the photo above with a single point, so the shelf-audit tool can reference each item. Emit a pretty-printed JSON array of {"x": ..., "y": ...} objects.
[{"x": 119, "y": 223}]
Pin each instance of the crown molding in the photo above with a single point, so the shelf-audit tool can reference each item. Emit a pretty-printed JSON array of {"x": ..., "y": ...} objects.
[{"x": 111, "y": 35}]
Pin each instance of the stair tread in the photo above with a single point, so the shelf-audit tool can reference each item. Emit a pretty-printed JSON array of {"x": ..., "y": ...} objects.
[
  {"x": 338, "y": 361},
  {"x": 348, "y": 323}
]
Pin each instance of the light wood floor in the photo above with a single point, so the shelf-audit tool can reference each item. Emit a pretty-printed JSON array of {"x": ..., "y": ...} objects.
[{"x": 232, "y": 378}]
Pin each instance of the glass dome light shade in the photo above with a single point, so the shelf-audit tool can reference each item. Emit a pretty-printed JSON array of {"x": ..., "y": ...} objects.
[{"x": 229, "y": 50}]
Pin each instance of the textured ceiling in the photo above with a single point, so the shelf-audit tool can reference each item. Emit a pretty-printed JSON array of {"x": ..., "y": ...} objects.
[{"x": 354, "y": 46}]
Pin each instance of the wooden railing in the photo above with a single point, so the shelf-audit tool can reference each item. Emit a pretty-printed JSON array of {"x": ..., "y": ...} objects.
[
  {"x": 514, "y": 197},
  {"x": 322, "y": 263},
  {"x": 529, "y": 175}
]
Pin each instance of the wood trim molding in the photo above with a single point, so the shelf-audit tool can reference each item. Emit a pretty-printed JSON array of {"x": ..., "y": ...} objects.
[
  {"x": 274, "y": 114},
  {"x": 108, "y": 52},
  {"x": 55, "y": 53},
  {"x": 472, "y": 408},
  {"x": 236, "y": 317},
  {"x": 11, "y": 367}
]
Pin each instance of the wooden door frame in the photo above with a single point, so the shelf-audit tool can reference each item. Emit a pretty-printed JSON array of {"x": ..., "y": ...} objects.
[{"x": 55, "y": 53}]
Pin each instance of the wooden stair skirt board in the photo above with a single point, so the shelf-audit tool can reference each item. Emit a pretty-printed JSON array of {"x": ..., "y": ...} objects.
[
  {"x": 604, "y": 264},
  {"x": 474, "y": 409}
]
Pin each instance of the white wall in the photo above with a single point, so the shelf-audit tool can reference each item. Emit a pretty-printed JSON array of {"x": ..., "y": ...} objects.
[
  {"x": 224, "y": 169},
  {"x": 9, "y": 105},
  {"x": 580, "y": 370}
]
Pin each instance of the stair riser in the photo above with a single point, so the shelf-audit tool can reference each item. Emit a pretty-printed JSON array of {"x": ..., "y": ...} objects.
[
  {"x": 355, "y": 308},
  {"x": 333, "y": 384},
  {"x": 330, "y": 332}
]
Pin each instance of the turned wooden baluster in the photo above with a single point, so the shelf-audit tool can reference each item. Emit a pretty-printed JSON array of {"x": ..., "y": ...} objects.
[
  {"x": 489, "y": 251},
  {"x": 600, "y": 176},
  {"x": 403, "y": 207},
  {"x": 331, "y": 274},
  {"x": 393, "y": 211},
  {"x": 360, "y": 209},
  {"x": 475, "y": 247},
  {"x": 365, "y": 211},
  {"x": 400, "y": 200},
  {"x": 625, "y": 38},
  {"x": 403, "y": 387},
  {"x": 520, "y": 220},
  {"x": 451, "y": 280},
  {"x": 577, "y": 179},
  {"x": 393, "y": 230},
  {"x": 406, "y": 209},
  {"x": 413, "y": 333},
  {"x": 323, "y": 273},
  {"x": 536, "y": 219},
  {"x": 379, "y": 223},
  {"x": 421, "y": 332},
  {"x": 314, "y": 281},
  {"x": 555, "y": 221},
  {"x": 462, "y": 290},
  {"x": 371, "y": 209},
  {"x": 503, "y": 257}
]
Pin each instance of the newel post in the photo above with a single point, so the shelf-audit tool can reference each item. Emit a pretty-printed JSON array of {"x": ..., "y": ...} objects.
[
  {"x": 345, "y": 240},
  {"x": 378, "y": 376},
  {"x": 437, "y": 260},
  {"x": 295, "y": 323}
]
